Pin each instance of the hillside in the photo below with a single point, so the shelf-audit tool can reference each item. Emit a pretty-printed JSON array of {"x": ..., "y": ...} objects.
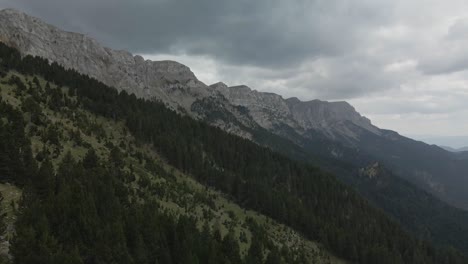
[
  {"x": 418, "y": 211},
  {"x": 454, "y": 149},
  {"x": 302, "y": 197},
  {"x": 326, "y": 129},
  {"x": 72, "y": 135}
]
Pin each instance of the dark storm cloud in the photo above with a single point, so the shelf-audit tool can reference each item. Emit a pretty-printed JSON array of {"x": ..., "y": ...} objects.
[{"x": 266, "y": 33}]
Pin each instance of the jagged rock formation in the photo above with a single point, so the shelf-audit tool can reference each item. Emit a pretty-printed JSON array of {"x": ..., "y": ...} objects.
[
  {"x": 371, "y": 171},
  {"x": 271, "y": 111},
  {"x": 267, "y": 109}
]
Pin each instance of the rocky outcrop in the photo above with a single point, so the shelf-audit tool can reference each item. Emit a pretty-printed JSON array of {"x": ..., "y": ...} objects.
[
  {"x": 267, "y": 109},
  {"x": 330, "y": 118},
  {"x": 271, "y": 111}
]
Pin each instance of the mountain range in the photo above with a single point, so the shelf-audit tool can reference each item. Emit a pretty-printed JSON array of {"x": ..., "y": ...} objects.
[
  {"x": 240, "y": 109},
  {"x": 454, "y": 149},
  {"x": 410, "y": 180}
]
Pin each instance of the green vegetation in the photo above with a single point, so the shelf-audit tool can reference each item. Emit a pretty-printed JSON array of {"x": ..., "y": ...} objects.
[
  {"x": 73, "y": 140},
  {"x": 105, "y": 217},
  {"x": 419, "y": 212}
]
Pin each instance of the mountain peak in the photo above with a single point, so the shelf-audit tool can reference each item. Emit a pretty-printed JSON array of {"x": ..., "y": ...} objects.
[
  {"x": 331, "y": 118},
  {"x": 219, "y": 85},
  {"x": 243, "y": 88},
  {"x": 9, "y": 10},
  {"x": 12, "y": 11},
  {"x": 293, "y": 100}
]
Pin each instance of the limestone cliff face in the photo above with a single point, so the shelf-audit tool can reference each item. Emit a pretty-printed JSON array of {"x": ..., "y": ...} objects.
[
  {"x": 175, "y": 84},
  {"x": 333, "y": 119},
  {"x": 267, "y": 109}
]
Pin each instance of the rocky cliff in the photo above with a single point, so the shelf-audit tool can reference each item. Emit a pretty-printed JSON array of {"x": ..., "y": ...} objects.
[{"x": 271, "y": 111}]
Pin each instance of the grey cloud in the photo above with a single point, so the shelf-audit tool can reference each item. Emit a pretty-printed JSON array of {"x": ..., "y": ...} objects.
[
  {"x": 405, "y": 106},
  {"x": 459, "y": 29},
  {"x": 275, "y": 38},
  {"x": 337, "y": 78},
  {"x": 444, "y": 65},
  {"x": 451, "y": 58},
  {"x": 267, "y": 33},
  {"x": 451, "y": 55}
]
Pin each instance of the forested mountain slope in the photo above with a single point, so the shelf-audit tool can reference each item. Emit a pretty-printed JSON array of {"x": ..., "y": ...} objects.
[
  {"x": 337, "y": 130},
  {"x": 328, "y": 129},
  {"x": 418, "y": 211},
  {"x": 95, "y": 194},
  {"x": 305, "y": 198}
]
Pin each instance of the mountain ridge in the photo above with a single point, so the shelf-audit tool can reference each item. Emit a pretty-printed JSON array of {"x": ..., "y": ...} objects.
[
  {"x": 333, "y": 127},
  {"x": 221, "y": 102},
  {"x": 462, "y": 149},
  {"x": 305, "y": 197},
  {"x": 170, "y": 82}
]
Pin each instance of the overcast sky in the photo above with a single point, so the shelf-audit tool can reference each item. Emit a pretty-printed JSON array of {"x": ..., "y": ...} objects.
[{"x": 402, "y": 63}]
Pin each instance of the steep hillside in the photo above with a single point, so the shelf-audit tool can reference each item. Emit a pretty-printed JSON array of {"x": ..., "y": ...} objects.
[
  {"x": 66, "y": 136},
  {"x": 243, "y": 111},
  {"x": 430, "y": 167},
  {"x": 300, "y": 196},
  {"x": 336, "y": 130},
  {"x": 418, "y": 211}
]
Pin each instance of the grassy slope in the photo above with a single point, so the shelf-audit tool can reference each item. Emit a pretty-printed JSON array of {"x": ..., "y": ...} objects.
[
  {"x": 178, "y": 193},
  {"x": 9, "y": 206}
]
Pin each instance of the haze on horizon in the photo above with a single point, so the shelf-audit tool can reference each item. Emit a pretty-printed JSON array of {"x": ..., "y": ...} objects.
[{"x": 403, "y": 64}]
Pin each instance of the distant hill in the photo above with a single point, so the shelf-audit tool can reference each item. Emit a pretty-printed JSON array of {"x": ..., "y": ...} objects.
[{"x": 455, "y": 149}]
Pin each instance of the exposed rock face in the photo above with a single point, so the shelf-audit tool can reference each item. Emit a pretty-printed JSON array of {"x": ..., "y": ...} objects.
[
  {"x": 371, "y": 171},
  {"x": 267, "y": 109},
  {"x": 271, "y": 110},
  {"x": 175, "y": 85},
  {"x": 331, "y": 118}
]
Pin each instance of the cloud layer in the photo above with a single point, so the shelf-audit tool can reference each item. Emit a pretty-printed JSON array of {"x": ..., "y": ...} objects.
[{"x": 399, "y": 62}]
